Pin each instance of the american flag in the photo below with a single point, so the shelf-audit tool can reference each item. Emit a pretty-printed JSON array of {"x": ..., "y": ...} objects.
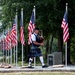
[
  {"x": 31, "y": 26},
  {"x": 14, "y": 33},
  {"x": 8, "y": 41},
  {"x": 22, "y": 31},
  {"x": 65, "y": 27}
]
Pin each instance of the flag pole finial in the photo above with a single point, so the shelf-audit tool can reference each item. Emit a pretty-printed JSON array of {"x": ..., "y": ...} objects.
[
  {"x": 66, "y": 4},
  {"x": 34, "y": 6},
  {"x": 22, "y": 9},
  {"x": 67, "y": 7}
]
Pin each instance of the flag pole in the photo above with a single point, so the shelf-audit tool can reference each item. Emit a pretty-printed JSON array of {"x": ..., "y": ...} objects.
[
  {"x": 3, "y": 46},
  {"x": 3, "y": 49},
  {"x": 17, "y": 39},
  {"x": 8, "y": 50},
  {"x": 14, "y": 55},
  {"x": 22, "y": 55},
  {"x": 34, "y": 14},
  {"x": 22, "y": 24},
  {"x": 66, "y": 42},
  {"x": 34, "y": 22},
  {"x": 11, "y": 55},
  {"x": 6, "y": 56},
  {"x": 66, "y": 54}
]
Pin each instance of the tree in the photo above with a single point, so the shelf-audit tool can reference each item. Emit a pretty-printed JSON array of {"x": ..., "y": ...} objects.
[{"x": 49, "y": 15}]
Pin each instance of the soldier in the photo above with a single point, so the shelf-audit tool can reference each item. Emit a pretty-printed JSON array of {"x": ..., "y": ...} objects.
[{"x": 35, "y": 51}]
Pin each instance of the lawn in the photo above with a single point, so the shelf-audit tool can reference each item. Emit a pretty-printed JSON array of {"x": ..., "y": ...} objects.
[{"x": 39, "y": 73}]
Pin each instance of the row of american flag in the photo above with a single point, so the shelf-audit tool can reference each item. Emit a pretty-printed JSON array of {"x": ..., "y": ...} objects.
[{"x": 11, "y": 37}]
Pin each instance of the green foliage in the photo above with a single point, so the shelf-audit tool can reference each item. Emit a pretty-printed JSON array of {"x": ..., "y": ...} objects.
[
  {"x": 72, "y": 47},
  {"x": 49, "y": 15}
]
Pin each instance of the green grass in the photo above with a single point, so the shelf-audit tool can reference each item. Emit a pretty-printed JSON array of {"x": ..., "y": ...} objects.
[{"x": 39, "y": 73}]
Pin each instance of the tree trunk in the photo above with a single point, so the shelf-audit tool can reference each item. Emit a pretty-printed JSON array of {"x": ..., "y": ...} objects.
[
  {"x": 50, "y": 45},
  {"x": 47, "y": 48},
  {"x": 60, "y": 42}
]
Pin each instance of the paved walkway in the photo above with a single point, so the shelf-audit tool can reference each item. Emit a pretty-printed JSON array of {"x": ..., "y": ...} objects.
[{"x": 70, "y": 68}]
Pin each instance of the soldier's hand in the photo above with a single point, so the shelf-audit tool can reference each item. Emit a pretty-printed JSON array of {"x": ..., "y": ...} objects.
[{"x": 42, "y": 44}]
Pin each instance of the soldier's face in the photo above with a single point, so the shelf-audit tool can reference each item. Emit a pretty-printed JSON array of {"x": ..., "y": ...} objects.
[{"x": 36, "y": 31}]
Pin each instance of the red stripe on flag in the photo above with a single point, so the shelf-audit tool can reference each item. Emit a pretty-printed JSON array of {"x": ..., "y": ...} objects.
[
  {"x": 22, "y": 35},
  {"x": 14, "y": 35},
  {"x": 65, "y": 28}
]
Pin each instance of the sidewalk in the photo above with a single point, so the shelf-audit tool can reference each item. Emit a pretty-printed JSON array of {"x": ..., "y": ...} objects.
[{"x": 70, "y": 68}]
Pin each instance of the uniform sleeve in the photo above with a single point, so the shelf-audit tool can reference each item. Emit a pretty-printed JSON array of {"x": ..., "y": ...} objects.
[{"x": 33, "y": 37}]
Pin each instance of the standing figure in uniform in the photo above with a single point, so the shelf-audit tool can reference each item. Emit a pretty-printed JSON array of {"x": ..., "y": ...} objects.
[{"x": 35, "y": 50}]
